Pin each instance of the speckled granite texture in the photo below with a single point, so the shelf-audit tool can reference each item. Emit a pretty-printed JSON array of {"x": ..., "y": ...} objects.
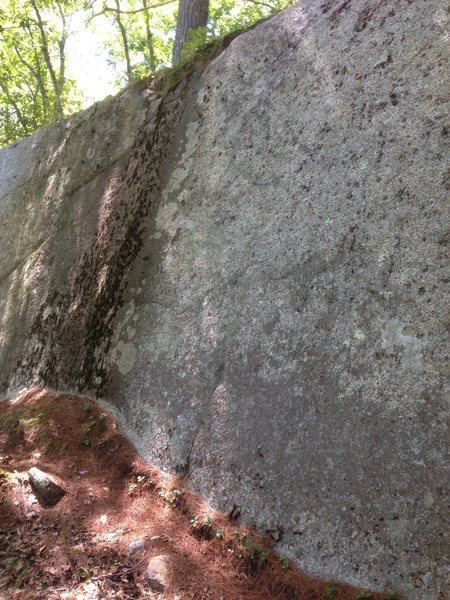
[{"x": 254, "y": 271}]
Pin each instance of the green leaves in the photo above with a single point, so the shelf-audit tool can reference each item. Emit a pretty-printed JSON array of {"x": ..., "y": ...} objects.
[
  {"x": 197, "y": 39},
  {"x": 34, "y": 89},
  {"x": 137, "y": 35}
]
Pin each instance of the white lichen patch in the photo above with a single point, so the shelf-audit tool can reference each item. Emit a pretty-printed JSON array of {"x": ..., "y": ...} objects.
[
  {"x": 181, "y": 171},
  {"x": 124, "y": 352},
  {"x": 126, "y": 356},
  {"x": 428, "y": 500},
  {"x": 165, "y": 218},
  {"x": 395, "y": 341}
]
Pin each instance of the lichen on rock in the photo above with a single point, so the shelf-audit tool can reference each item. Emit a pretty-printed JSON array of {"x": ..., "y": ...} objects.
[{"x": 278, "y": 223}]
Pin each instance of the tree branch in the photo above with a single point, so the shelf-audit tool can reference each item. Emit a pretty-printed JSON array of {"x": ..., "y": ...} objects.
[
  {"x": 124, "y": 42},
  {"x": 25, "y": 62},
  {"x": 259, "y": 3},
  {"x": 149, "y": 36},
  {"x": 16, "y": 108},
  {"x": 62, "y": 51},
  {"x": 130, "y": 12},
  {"x": 48, "y": 62}
]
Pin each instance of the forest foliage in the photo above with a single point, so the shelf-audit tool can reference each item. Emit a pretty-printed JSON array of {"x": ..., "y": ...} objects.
[{"x": 36, "y": 86}]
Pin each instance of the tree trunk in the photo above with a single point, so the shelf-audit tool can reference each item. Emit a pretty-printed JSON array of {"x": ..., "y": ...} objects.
[
  {"x": 191, "y": 15},
  {"x": 16, "y": 108},
  {"x": 126, "y": 49},
  {"x": 58, "y": 109},
  {"x": 149, "y": 36}
]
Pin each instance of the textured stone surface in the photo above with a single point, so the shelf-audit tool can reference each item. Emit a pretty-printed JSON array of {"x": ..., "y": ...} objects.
[
  {"x": 137, "y": 545},
  {"x": 255, "y": 271},
  {"x": 157, "y": 572},
  {"x": 47, "y": 491}
]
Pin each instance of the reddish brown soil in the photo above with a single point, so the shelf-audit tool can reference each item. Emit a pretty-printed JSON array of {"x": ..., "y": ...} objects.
[{"x": 78, "y": 550}]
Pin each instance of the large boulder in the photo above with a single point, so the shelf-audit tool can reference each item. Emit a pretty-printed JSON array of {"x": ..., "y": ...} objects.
[{"x": 255, "y": 272}]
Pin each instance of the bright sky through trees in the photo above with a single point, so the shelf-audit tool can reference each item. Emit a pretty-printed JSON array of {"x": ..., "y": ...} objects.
[
  {"x": 59, "y": 56},
  {"x": 88, "y": 62}
]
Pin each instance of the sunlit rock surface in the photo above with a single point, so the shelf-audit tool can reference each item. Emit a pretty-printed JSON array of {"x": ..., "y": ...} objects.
[{"x": 255, "y": 271}]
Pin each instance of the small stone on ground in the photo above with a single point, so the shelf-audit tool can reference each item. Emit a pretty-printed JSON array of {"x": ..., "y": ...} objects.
[
  {"x": 157, "y": 572},
  {"x": 47, "y": 491},
  {"x": 136, "y": 545}
]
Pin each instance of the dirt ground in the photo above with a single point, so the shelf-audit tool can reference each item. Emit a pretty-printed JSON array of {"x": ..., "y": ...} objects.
[{"x": 80, "y": 548}]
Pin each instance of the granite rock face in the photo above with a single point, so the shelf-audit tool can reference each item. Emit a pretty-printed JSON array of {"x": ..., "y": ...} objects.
[{"x": 255, "y": 272}]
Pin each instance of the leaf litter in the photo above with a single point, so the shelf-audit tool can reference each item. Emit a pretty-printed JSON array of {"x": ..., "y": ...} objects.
[{"x": 118, "y": 513}]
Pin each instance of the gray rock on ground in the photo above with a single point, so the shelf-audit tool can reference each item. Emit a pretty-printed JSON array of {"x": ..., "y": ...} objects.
[
  {"x": 47, "y": 491},
  {"x": 137, "y": 545},
  {"x": 157, "y": 574}
]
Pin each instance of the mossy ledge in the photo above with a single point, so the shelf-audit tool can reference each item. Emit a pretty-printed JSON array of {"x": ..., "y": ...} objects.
[{"x": 166, "y": 80}]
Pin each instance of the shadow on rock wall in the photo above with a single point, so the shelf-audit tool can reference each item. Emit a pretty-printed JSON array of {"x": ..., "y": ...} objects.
[{"x": 256, "y": 275}]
